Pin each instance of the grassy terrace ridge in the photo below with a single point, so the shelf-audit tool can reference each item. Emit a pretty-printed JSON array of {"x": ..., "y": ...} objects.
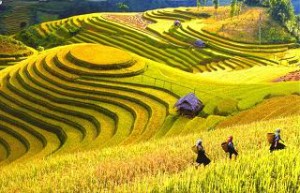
[
  {"x": 164, "y": 43},
  {"x": 105, "y": 57},
  {"x": 16, "y": 17},
  {"x": 62, "y": 60},
  {"x": 111, "y": 169},
  {"x": 45, "y": 95},
  {"x": 94, "y": 111},
  {"x": 188, "y": 33},
  {"x": 262, "y": 111},
  {"x": 12, "y": 51},
  {"x": 54, "y": 104}
]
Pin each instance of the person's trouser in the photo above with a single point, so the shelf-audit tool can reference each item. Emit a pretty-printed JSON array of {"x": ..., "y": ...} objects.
[
  {"x": 278, "y": 147},
  {"x": 232, "y": 151}
]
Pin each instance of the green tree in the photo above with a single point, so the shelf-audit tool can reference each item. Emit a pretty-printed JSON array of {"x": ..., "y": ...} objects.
[
  {"x": 216, "y": 4},
  {"x": 257, "y": 2},
  {"x": 198, "y": 4},
  {"x": 239, "y": 6},
  {"x": 122, "y": 6},
  {"x": 253, "y": 2},
  {"x": 233, "y": 7},
  {"x": 282, "y": 10},
  {"x": 298, "y": 21}
]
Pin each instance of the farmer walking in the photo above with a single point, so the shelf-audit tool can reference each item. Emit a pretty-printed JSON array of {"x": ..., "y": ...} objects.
[
  {"x": 231, "y": 148},
  {"x": 201, "y": 156},
  {"x": 276, "y": 145}
]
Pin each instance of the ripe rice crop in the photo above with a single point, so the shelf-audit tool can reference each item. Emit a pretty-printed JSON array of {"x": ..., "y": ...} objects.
[{"x": 168, "y": 168}]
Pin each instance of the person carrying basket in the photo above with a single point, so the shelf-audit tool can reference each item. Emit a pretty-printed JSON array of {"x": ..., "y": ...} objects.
[
  {"x": 201, "y": 156},
  {"x": 275, "y": 144},
  {"x": 229, "y": 148}
]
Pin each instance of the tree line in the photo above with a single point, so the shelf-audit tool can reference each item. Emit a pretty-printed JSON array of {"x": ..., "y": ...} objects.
[{"x": 280, "y": 10}]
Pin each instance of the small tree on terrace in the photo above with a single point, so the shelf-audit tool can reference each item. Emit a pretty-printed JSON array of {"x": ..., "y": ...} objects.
[
  {"x": 198, "y": 4},
  {"x": 298, "y": 21},
  {"x": 253, "y": 2},
  {"x": 239, "y": 6},
  {"x": 233, "y": 7},
  {"x": 122, "y": 6},
  {"x": 216, "y": 4}
]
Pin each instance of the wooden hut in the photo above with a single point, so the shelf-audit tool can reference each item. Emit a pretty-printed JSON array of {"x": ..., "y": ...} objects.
[
  {"x": 199, "y": 44},
  {"x": 189, "y": 105}
]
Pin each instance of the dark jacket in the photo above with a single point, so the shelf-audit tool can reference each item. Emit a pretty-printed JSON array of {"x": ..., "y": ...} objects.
[{"x": 202, "y": 158}]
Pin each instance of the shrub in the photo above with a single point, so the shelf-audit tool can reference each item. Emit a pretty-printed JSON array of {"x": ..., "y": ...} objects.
[
  {"x": 32, "y": 39},
  {"x": 226, "y": 107},
  {"x": 276, "y": 35},
  {"x": 74, "y": 30},
  {"x": 40, "y": 48}
]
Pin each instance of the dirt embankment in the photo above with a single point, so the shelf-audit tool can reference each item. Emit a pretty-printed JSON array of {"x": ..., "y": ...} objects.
[
  {"x": 291, "y": 76},
  {"x": 136, "y": 20}
]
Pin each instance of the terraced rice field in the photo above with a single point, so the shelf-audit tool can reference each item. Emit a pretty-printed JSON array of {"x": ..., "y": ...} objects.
[
  {"x": 276, "y": 107},
  {"x": 163, "y": 43},
  {"x": 12, "y": 52},
  {"x": 46, "y": 100},
  {"x": 134, "y": 20},
  {"x": 22, "y": 14},
  {"x": 85, "y": 96},
  {"x": 9, "y": 61},
  {"x": 165, "y": 165},
  {"x": 100, "y": 110}
]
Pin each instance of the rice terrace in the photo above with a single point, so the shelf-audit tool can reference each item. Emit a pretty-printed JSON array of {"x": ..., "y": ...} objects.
[{"x": 103, "y": 96}]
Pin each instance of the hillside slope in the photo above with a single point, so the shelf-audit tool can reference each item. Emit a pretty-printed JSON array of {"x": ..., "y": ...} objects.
[
  {"x": 12, "y": 51},
  {"x": 165, "y": 165},
  {"x": 275, "y": 107},
  {"x": 160, "y": 41},
  {"x": 98, "y": 114},
  {"x": 86, "y": 96}
]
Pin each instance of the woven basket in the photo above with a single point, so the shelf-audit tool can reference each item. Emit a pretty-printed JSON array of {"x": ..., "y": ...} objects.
[
  {"x": 195, "y": 149},
  {"x": 270, "y": 137},
  {"x": 224, "y": 146}
]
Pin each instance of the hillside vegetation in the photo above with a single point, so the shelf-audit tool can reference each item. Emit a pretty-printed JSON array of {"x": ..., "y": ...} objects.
[
  {"x": 66, "y": 100},
  {"x": 269, "y": 109},
  {"x": 162, "y": 42},
  {"x": 12, "y": 51},
  {"x": 165, "y": 165},
  {"x": 94, "y": 111},
  {"x": 16, "y": 16},
  {"x": 247, "y": 26}
]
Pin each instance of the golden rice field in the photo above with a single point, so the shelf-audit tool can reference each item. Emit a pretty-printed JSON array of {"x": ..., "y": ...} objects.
[
  {"x": 161, "y": 42},
  {"x": 70, "y": 124},
  {"x": 165, "y": 165},
  {"x": 269, "y": 109},
  {"x": 97, "y": 114}
]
